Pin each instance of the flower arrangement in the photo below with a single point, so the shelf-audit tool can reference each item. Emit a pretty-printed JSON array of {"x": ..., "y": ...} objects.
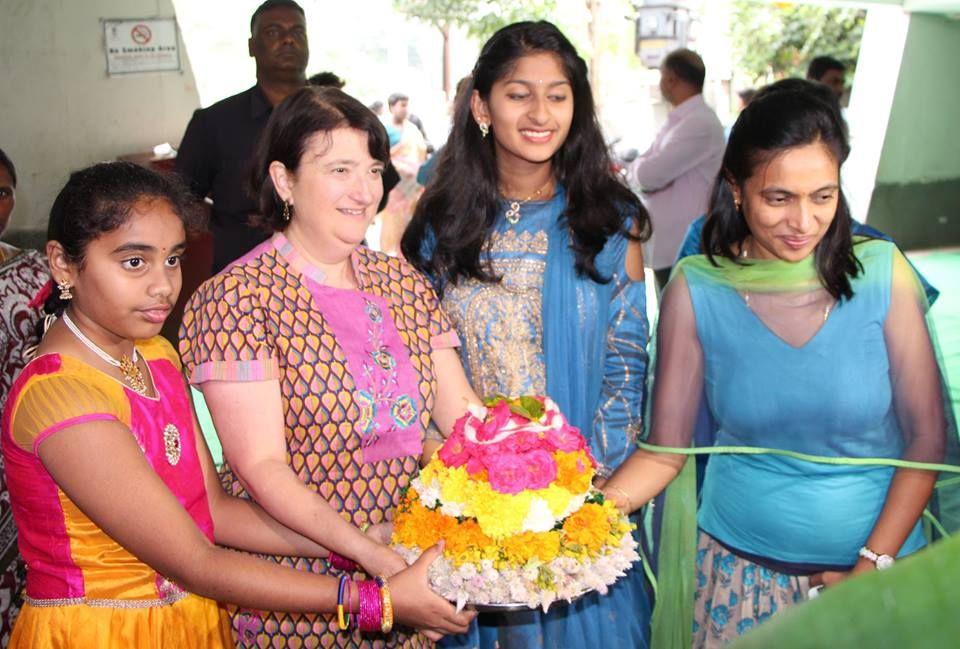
[{"x": 510, "y": 495}]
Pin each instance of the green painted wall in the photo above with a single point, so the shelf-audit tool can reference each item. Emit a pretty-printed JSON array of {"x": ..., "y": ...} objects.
[{"x": 917, "y": 193}]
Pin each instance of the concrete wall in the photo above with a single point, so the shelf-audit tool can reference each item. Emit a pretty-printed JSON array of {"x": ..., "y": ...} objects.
[
  {"x": 917, "y": 194},
  {"x": 60, "y": 111}
]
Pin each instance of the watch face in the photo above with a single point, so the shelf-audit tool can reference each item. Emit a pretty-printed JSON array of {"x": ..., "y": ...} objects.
[{"x": 884, "y": 561}]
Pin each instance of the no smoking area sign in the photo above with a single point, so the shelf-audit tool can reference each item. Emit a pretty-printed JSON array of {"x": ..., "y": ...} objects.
[{"x": 141, "y": 45}]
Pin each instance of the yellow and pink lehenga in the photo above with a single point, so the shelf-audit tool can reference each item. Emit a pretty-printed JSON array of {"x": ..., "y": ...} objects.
[{"x": 83, "y": 588}]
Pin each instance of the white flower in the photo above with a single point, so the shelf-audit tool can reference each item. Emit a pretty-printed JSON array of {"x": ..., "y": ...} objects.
[
  {"x": 452, "y": 509},
  {"x": 539, "y": 517},
  {"x": 574, "y": 505},
  {"x": 429, "y": 494}
]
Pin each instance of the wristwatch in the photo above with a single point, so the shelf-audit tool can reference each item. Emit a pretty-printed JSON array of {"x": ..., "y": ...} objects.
[{"x": 881, "y": 561}]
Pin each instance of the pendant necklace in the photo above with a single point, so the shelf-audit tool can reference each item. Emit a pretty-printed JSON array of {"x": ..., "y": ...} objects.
[
  {"x": 513, "y": 214},
  {"x": 128, "y": 366},
  {"x": 746, "y": 294}
]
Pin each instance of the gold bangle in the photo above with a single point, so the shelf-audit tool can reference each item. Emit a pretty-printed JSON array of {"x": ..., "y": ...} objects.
[
  {"x": 623, "y": 493},
  {"x": 386, "y": 624}
]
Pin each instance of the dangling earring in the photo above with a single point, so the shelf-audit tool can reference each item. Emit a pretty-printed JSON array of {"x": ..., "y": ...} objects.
[
  {"x": 64, "y": 287},
  {"x": 484, "y": 129},
  {"x": 286, "y": 212}
]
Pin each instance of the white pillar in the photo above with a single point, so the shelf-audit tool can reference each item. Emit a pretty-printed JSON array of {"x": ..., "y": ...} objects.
[{"x": 872, "y": 93}]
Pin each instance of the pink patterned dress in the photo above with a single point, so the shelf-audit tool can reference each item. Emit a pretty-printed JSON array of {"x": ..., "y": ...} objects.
[{"x": 356, "y": 377}]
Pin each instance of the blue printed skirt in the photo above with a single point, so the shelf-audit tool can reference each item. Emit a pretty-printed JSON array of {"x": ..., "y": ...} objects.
[{"x": 734, "y": 595}]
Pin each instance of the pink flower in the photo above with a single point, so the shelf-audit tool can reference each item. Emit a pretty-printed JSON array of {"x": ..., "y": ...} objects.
[
  {"x": 475, "y": 465},
  {"x": 566, "y": 438},
  {"x": 454, "y": 451},
  {"x": 541, "y": 469},
  {"x": 516, "y": 444},
  {"x": 497, "y": 418},
  {"x": 508, "y": 473}
]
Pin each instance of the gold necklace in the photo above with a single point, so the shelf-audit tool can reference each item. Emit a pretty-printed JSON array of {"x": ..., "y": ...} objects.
[
  {"x": 513, "y": 214},
  {"x": 826, "y": 308},
  {"x": 128, "y": 366},
  {"x": 746, "y": 294}
]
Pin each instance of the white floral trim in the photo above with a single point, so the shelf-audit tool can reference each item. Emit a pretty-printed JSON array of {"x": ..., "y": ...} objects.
[{"x": 484, "y": 584}]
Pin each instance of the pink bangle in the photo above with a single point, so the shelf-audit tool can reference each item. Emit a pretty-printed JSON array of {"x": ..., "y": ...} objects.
[
  {"x": 338, "y": 562},
  {"x": 370, "y": 617}
]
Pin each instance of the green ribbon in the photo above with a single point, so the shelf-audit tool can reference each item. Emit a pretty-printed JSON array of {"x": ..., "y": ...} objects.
[{"x": 820, "y": 459}]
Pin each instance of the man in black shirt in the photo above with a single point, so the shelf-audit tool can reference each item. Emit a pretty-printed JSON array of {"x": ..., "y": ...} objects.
[{"x": 219, "y": 141}]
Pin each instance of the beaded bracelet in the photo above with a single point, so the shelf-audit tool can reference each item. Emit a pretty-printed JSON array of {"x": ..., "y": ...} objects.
[
  {"x": 387, "y": 605},
  {"x": 344, "y": 584},
  {"x": 339, "y": 562},
  {"x": 370, "y": 609}
]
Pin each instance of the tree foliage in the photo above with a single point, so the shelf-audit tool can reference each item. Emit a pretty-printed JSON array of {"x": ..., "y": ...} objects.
[
  {"x": 480, "y": 18},
  {"x": 776, "y": 40}
]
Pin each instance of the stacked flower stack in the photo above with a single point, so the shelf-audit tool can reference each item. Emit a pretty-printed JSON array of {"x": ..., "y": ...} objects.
[{"x": 510, "y": 494}]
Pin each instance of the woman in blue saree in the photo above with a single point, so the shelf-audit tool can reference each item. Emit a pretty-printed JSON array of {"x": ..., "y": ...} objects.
[{"x": 534, "y": 245}]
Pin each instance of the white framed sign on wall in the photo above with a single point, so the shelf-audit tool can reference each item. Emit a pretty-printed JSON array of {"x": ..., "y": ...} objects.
[{"x": 141, "y": 45}]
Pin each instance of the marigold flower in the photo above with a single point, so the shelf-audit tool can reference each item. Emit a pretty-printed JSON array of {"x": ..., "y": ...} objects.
[
  {"x": 574, "y": 471},
  {"x": 589, "y": 526},
  {"x": 520, "y": 549}
]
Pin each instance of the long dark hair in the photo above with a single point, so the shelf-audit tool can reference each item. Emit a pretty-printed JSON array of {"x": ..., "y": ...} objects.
[
  {"x": 460, "y": 205},
  {"x": 308, "y": 111},
  {"x": 99, "y": 199},
  {"x": 784, "y": 115}
]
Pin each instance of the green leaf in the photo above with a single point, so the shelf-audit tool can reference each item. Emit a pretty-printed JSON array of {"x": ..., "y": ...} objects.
[
  {"x": 534, "y": 406},
  {"x": 595, "y": 498}
]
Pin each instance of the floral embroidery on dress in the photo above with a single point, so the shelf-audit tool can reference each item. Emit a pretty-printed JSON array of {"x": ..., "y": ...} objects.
[
  {"x": 368, "y": 410},
  {"x": 384, "y": 358},
  {"x": 381, "y": 375},
  {"x": 404, "y": 411},
  {"x": 501, "y": 324},
  {"x": 373, "y": 311}
]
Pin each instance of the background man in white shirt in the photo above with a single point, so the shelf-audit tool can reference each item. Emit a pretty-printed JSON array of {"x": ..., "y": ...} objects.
[{"x": 677, "y": 172}]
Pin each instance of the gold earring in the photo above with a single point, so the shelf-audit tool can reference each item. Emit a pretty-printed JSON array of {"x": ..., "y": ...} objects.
[
  {"x": 64, "y": 287},
  {"x": 484, "y": 128},
  {"x": 286, "y": 211}
]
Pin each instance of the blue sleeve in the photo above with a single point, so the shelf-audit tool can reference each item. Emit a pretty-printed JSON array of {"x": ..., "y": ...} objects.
[
  {"x": 427, "y": 169},
  {"x": 619, "y": 419},
  {"x": 693, "y": 239}
]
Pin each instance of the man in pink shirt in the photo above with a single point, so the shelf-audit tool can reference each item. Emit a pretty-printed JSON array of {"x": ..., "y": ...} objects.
[{"x": 677, "y": 172}]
